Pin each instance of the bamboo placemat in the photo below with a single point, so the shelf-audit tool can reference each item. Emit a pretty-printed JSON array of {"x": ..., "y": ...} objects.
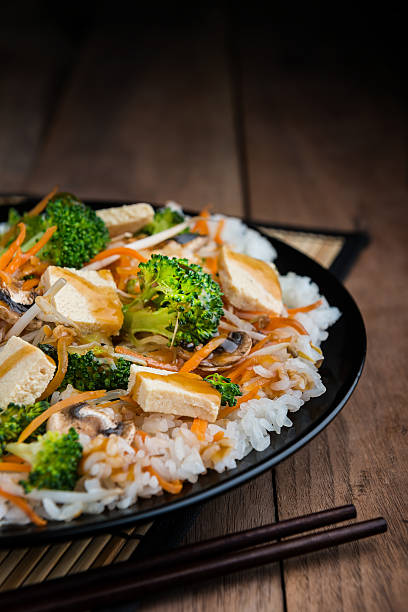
[{"x": 19, "y": 567}]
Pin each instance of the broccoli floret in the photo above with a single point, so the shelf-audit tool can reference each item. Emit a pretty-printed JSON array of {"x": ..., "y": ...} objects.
[
  {"x": 15, "y": 418},
  {"x": 88, "y": 373},
  {"x": 163, "y": 219},
  {"x": 228, "y": 389},
  {"x": 81, "y": 234},
  {"x": 177, "y": 300},
  {"x": 54, "y": 460}
]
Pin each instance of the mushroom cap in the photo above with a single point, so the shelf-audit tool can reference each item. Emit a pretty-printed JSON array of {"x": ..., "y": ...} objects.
[{"x": 92, "y": 421}]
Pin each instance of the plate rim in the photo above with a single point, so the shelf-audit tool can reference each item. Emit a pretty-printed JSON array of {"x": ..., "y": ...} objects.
[{"x": 70, "y": 531}]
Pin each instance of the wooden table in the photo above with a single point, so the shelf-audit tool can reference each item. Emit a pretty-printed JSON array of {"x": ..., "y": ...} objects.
[{"x": 217, "y": 110}]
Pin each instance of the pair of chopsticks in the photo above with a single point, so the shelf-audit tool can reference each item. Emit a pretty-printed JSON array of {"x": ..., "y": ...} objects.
[{"x": 191, "y": 563}]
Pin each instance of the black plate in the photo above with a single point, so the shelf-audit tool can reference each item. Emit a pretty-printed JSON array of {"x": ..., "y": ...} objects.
[{"x": 344, "y": 358}]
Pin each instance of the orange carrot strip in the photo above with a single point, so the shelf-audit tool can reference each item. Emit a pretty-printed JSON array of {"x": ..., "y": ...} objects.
[
  {"x": 236, "y": 372},
  {"x": 142, "y": 434},
  {"x": 171, "y": 487},
  {"x": 118, "y": 251},
  {"x": 30, "y": 284},
  {"x": 293, "y": 311},
  {"x": 25, "y": 507},
  {"x": 212, "y": 264},
  {"x": 14, "y": 459},
  {"x": 21, "y": 258},
  {"x": 42, "y": 242},
  {"x": 6, "y": 278},
  {"x": 126, "y": 271},
  {"x": 13, "y": 248},
  {"x": 255, "y": 385},
  {"x": 202, "y": 353},
  {"x": 218, "y": 436},
  {"x": 199, "y": 428},
  {"x": 276, "y": 322},
  {"x": 12, "y": 466},
  {"x": 201, "y": 226},
  {"x": 62, "y": 351},
  {"x": 69, "y": 401},
  {"x": 241, "y": 400},
  {"x": 153, "y": 363},
  {"x": 218, "y": 233},
  {"x": 38, "y": 208}
]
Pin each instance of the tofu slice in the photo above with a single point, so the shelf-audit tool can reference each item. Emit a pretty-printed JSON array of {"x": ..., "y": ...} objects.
[
  {"x": 178, "y": 394},
  {"x": 25, "y": 372},
  {"x": 89, "y": 299},
  {"x": 128, "y": 218},
  {"x": 249, "y": 283}
]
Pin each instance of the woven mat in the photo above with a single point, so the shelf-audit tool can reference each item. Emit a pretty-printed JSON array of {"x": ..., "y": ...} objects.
[{"x": 27, "y": 566}]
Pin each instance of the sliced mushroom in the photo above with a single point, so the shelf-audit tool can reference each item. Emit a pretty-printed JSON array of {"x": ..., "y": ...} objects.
[
  {"x": 92, "y": 422},
  {"x": 235, "y": 347},
  {"x": 13, "y": 303}
]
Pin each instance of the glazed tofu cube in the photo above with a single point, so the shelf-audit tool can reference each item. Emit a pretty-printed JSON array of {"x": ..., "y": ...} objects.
[
  {"x": 178, "y": 394},
  {"x": 249, "y": 283},
  {"x": 89, "y": 299},
  {"x": 25, "y": 372},
  {"x": 129, "y": 218}
]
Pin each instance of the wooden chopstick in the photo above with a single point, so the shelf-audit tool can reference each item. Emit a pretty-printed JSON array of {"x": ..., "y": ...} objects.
[{"x": 94, "y": 589}]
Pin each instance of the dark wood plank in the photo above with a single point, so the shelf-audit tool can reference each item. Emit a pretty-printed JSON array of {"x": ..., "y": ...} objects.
[
  {"x": 328, "y": 150},
  {"x": 30, "y": 79},
  {"x": 248, "y": 506},
  {"x": 148, "y": 115}
]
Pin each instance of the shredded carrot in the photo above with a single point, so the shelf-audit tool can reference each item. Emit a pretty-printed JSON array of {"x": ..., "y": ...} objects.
[
  {"x": 12, "y": 466},
  {"x": 38, "y": 208},
  {"x": 199, "y": 428},
  {"x": 153, "y": 363},
  {"x": 250, "y": 361},
  {"x": 293, "y": 311},
  {"x": 62, "y": 350},
  {"x": 201, "y": 226},
  {"x": 212, "y": 264},
  {"x": 42, "y": 242},
  {"x": 6, "y": 278},
  {"x": 122, "y": 250},
  {"x": 142, "y": 434},
  {"x": 30, "y": 284},
  {"x": 171, "y": 487},
  {"x": 126, "y": 271},
  {"x": 47, "y": 330},
  {"x": 25, "y": 507},
  {"x": 6, "y": 258},
  {"x": 218, "y": 436},
  {"x": 202, "y": 353},
  {"x": 255, "y": 385},
  {"x": 276, "y": 322},
  {"x": 14, "y": 459},
  {"x": 69, "y": 401},
  {"x": 21, "y": 258},
  {"x": 244, "y": 398},
  {"x": 218, "y": 233}
]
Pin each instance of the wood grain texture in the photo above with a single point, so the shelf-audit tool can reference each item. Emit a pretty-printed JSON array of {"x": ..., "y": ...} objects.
[
  {"x": 249, "y": 506},
  {"x": 147, "y": 115},
  {"x": 29, "y": 79},
  {"x": 336, "y": 157}
]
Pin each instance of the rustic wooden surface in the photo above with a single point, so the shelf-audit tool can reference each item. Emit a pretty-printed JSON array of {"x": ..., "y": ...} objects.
[{"x": 213, "y": 111}]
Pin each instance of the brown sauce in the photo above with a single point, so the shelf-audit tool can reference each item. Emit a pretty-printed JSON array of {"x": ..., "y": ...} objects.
[
  {"x": 103, "y": 302},
  {"x": 187, "y": 382},
  {"x": 9, "y": 363}
]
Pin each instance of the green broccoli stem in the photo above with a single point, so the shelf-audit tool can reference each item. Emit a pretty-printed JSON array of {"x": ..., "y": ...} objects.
[{"x": 153, "y": 321}]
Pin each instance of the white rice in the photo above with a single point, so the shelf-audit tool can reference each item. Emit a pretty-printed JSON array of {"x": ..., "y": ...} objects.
[{"x": 116, "y": 476}]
